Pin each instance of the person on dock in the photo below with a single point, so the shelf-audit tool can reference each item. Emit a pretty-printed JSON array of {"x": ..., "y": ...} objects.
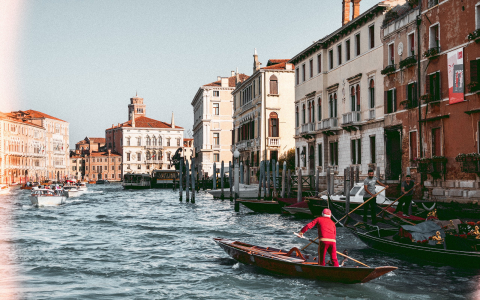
[
  {"x": 369, "y": 186},
  {"x": 407, "y": 193},
  {"x": 327, "y": 233}
]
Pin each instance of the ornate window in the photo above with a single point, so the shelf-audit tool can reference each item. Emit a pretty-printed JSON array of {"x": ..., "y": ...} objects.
[{"x": 273, "y": 128}]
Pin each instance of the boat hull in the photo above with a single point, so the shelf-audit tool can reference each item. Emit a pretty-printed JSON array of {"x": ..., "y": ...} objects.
[
  {"x": 262, "y": 206},
  {"x": 135, "y": 187},
  {"x": 47, "y": 200},
  {"x": 296, "y": 267}
]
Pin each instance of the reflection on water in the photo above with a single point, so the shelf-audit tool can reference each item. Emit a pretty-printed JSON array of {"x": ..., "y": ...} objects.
[{"x": 148, "y": 245}]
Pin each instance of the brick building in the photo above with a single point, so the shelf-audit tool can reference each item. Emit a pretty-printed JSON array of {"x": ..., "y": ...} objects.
[
  {"x": 103, "y": 165},
  {"x": 441, "y": 145}
]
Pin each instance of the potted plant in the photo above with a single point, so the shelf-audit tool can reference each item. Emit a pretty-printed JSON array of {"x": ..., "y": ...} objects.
[
  {"x": 474, "y": 86},
  {"x": 474, "y": 36},
  {"x": 408, "y": 62},
  {"x": 432, "y": 53},
  {"x": 389, "y": 69}
]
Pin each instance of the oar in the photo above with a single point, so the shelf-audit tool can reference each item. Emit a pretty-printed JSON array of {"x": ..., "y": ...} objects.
[
  {"x": 400, "y": 218},
  {"x": 348, "y": 214},
  {"x": 398, "y": 199},
  {"x": 312, "y": 241}
]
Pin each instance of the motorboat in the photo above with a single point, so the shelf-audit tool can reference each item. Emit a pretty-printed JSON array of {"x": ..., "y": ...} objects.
[
  {"x": 246, "y": 191},
  {"x": 47, "y": 197},
  {"x": 71, "y": 191},
  {"x": 4, "y": 189},
  {"x": 297, "y": 264},
  {"x": 164, "y": 178},
  {"x": 137, "y": 181},
  {"x": 82, "y": 187}
]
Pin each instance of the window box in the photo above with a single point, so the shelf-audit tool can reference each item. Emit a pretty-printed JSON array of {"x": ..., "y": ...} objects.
[
  {"x": 474, "y": 87},
  {"x": 472, "y": 166},
  {"x": 408, "y": 62},
  {"x": 413, "y": 3},
  {"x": 467, "y": 157},
  {"x": 437, "y": 166},
  {"x": 432, "y": 53},
  {"x": 409, "y": 104},
  {"x": 474, "y": 36},
  {"x": 389, "y": 69}
]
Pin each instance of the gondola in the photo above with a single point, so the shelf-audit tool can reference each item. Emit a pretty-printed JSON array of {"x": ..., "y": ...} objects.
[
  {"x": 267, "y": 206},
  {"x": 455, "y": 250},
  {"x": 294, "y": 263}
]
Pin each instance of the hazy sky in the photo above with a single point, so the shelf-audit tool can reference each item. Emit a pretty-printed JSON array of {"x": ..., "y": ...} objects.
[{"x": 81, "y": 61}]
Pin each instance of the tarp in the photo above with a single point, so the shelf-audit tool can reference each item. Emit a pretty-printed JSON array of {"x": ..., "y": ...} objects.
[{"x": 422, "y": 231}]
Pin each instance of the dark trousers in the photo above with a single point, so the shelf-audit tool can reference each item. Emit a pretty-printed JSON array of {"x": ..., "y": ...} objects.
[
  {"x": 372, "y": 205},
  {"x": 404, "y": 204}
]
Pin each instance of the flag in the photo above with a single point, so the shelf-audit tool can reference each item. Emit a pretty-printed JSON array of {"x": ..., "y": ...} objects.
[{"x": 456, "y": 87}]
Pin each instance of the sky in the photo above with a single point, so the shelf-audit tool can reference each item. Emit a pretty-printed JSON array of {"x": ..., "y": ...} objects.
[{"x": 81, "y": 61}]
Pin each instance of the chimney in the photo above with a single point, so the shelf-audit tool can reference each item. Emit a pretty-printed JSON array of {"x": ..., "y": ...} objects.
[
  {"x": 218, "y": 78},
  {"x": 224, "y": 82},
  {"x": 256, "y": 64},
  {"x": 173, "y": 121},
  {"x": 237, "y": 78},
  {"x": 133, "y": 118},
  {"x": 232, "y": 74},
  {"x": 346, "y": 12},
  {"x": 356, "y": 8}
]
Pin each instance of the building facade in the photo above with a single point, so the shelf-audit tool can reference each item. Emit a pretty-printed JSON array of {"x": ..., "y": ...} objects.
[
  {"x": 144, "y": 144},
  {"x": 339, "y": 109},
  {"x": 438, "y": 142},
  {"x": 263, "y": 121},
  {"x": 212, "y": 110},
  {"x": 22, "y": 149},
  {"x": 103, "y": 166}
]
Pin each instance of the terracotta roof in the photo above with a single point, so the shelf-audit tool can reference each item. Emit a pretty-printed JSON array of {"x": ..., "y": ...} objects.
[
  {"x": 13, "y": 118},
  {"x": 37, "y": 114},
  {"x": 97, "y": 140},
  {"x": 280, "y": 66},
  {"x": 145, "y": 123},
  {"x": 104, "y": 153},
  {"x": 231, "y": 80},
  {"x": 276, "y": 61}
]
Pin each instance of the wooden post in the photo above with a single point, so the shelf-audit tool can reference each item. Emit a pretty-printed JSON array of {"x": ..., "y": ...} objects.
[
  {"x": 230, "y": 177},
  {"x": 264, "y": 179},
  {"x": 357, "y": 174},
  {"x": 274, "y": 175},
  {"x": 260, "y": 181},
  {"x": 317, "y": 182},
  {"x": 289, "y": 183},
  {"x": 347, "y": 189},
  {"x": 187, "y": 181},
  {"x": 180, "y": 180},
  {"x": 345, "y": 181},
  {"x": 203, "y": 180},
  {"x": 352, "y": 177},
  {"x": 299, "y": 190},
  {"x": 214, "y": 177},
  {"x": 248, "y": 174},
  {"x": 283, "y": 179},
  {"x": 378, "y": 173},
  {"x": 268, "y": 180},
  {"x": 193, "y": 179},
  {"x": 328, "y": 181},
  {"x": 222, "y": 172},
  {"x": 332, "y": 182},
  {"x": 241, "y": 174},
  {"x": 278, "y": 170}
]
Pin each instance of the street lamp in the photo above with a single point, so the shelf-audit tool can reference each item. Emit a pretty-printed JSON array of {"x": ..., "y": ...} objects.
[{"x": 236, "y": 155}]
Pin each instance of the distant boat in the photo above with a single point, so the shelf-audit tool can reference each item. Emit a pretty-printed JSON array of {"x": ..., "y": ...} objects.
[
  {"x": 4, "y": 189},
  {"x": 101, "y": 181},
  {"x": 71, "y": 191},
  {"x": 267, "y": 206},
  {"x": 137, "y": 181},
  {"x": 164, "y": 178},
  {"x": 294, "y": 263},
  {"x": 46, "y": 197}
]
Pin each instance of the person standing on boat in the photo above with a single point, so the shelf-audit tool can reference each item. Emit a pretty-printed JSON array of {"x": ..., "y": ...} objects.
[
  {"x": 369, "y": 186},
  {"x": 407, "y": 192},
  {"x": 327, "y": 233}
]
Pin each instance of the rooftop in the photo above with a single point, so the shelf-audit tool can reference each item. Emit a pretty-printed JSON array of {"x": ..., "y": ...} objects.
[
  {"x": 145, "y": 122},
  {"x": 231, "y": 81}
]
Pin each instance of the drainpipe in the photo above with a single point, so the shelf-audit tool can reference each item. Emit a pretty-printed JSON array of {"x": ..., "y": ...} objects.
[
  {"x": 264, "y": 117},
  {"x": 419, "y": 21}
]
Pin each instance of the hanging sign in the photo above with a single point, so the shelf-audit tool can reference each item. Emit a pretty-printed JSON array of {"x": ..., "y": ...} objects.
[{"x": 456, "y": 87}]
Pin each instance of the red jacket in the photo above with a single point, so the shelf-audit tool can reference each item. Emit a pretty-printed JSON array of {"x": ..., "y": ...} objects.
[{"x": 326, "y": 228}]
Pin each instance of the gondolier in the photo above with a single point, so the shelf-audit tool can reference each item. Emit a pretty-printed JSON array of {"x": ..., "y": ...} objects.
[
  {"x": 327, "y": 233},
  {"x": 369, "y": 186},
  {"x": 407, "y": 192}
]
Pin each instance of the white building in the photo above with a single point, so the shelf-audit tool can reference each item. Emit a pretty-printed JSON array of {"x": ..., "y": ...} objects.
[
  {"x": 339, "y": 104},
  {"x": 212, "y": 128},
  {"x": 145, "y": 144},
  {"x": 263, "y": 119}
]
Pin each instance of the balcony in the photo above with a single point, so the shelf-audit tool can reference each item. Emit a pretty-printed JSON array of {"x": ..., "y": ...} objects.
[
  {"x": 297, "y": 131},
  {"x": 216, "y": 146},
  {"x": 408, "y": 62},
  {"x": 352, "y": 117},
  {"x": 331, "y": 123},
  {"x": 304, "y": 128},
  {"x": 390, "y": 69},
  {"x": 319, "y": 125},
  {"x": 273, "y": 142},
  {"x": 150, "y": 147},
  {"x": 432, "y": 53},
  {"x": 371, "y": 114}
]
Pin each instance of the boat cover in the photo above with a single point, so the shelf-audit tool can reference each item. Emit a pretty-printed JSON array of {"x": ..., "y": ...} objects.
[{"x": 421, "y": 232}]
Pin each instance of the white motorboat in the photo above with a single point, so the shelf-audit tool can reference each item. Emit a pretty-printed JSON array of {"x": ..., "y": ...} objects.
[
  {"x": 245, "y": 192},
  {"x": 71, "y": 191},
  {"x": 82, "y": 187},
  {"x": 46, "y": 197},
  {"x": 4, "y": 189}
]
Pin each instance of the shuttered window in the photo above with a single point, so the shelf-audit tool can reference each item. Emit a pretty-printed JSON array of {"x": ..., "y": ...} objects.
[
  {"x": 413, "y": 145},
  {"x": 433, "y": 86},
  {"x": 274, "y": 85},
  {"x": 391, "y": 99},
  {"x": 320, "y": 160},
  {"x": 474, "y": 70},
  {"x": 436, "y": 142}
]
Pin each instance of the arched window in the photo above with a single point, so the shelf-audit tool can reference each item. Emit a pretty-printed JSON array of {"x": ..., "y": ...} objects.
[
  {"x": 273, "y": 125},
  {"x": 335, "y": 105},
  {"x": 319, "y": 113},
  {"x": 296, "y": 117},
  {"x": 352, "y": 96},
  {"x": 273, "y": 85},
  {"x": 358, "y": 97},
  {"x": 309, "y": 112},
  {"x": 372, "y": 93},
  {"x": 148, "y": 154},
  {"x": 154, "y": 141},
  {"x": 303, "y": 114},
  {"x": 330, "y": 107},
  {"x": 159, "y": 140},
  {"x": 313, "y": 112},
  {"x": 160, "y": 155},
  {"x": 149, "y": 141}
]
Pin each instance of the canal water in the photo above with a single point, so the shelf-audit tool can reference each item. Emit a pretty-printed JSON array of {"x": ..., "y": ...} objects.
[{"x": 147, "y": 245}]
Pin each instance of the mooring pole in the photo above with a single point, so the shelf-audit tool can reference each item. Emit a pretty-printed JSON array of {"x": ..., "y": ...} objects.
[
  {"x": 237, "y": 179},
  {"x": 222, "y": 170},
  {"x": 299, "y": 190},
  {"x": 274, "y": 174},
  {"x": 328, "y": 181},
  {"x": 260, "y": 181},
  {"x": 214, "y": 177},
  {"x": 241, "y": 174},
  {"x": 180, "y": 179},
  {"x": 268, "y": 180},
  {"x": 187, "y": 181},
  {"x": 283, "y": 179},
  {"x": 347, "y": 188},
  {"x": 230, "y": 179},
  {"x": 193, "y": 179},
  {"x": 317, "y": 181},
  {"x": 289, "y": 183},
  {"x": 204, "y": 180}
]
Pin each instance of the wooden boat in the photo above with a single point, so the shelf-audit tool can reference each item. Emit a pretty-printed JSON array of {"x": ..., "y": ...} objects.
[
  {"x": 267, "y": 206},
  {"x": 455, "y": 251},
  {"x": 294, "y": 263},
  {"x": 137, "y": 181},
  {"x": 299, "y": 209}
]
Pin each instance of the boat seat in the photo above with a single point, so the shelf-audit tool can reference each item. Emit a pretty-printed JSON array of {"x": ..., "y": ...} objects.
[{"x": 297, "y": 251}]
